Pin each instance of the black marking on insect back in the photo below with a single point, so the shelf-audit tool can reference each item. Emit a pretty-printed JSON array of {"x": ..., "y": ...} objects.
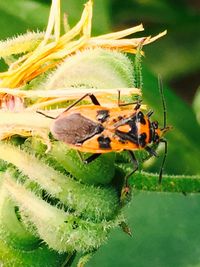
[
  {"x": 132, "y": 135},
  {"x": 102, "y": 115},
  {"x": 142, "y": 139},
  {"x": 131, "y": 121},
  {"x": 126, "y": 137},
  {"x": 104, "y": 142},
  {"x": 132, "y": 124},
  {"x": 140, "y": 118},
  {"x": 75, "y": 129}
]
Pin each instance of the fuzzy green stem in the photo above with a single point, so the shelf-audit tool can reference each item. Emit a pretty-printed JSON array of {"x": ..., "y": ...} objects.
[
  {"x": 95, "y": 203},
  {"x": 61, "y": 230},
  {"x": 170, "y": 183},
  {"x": 18, "y": 245},
  {"x": 13, "y": 231}
]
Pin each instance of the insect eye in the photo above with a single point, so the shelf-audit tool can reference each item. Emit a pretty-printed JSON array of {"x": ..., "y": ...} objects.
[{"x": 155, "y": 124}]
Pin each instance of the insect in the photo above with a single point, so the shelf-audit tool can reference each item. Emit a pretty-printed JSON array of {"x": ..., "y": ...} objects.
[{"x": 97, "y": 129}]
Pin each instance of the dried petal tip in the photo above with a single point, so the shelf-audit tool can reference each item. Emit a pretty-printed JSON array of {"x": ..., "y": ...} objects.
[{"x": 11, "y": 103}]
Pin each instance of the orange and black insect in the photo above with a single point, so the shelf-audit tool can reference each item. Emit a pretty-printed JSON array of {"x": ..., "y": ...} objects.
[{"x": 96, "y": 129}]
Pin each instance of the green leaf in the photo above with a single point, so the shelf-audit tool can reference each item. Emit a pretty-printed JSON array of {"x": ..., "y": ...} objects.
[
  {"x": 30, "y": 15},
  {"x": 196, "y": 105},
  {"x": 165, "y": 233},
  {"x": 101, "y": 22},
  {"x": 183, "y": 152},
  {"x": 33, "y": 15},
  {"x": 179, "y": 52}
]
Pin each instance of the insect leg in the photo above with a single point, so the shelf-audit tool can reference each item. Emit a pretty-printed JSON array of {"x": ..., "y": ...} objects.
[
  {"x": 118, "y": 99},
  {"x": 92, "y": 157},
  {"x": 149, "y": 113},
  {"x": 151, "y": 151},
  {"x": 163, "y": 161},
  {"x": 135, "y": 164},
  {"x": 137, "y": 103},
  {"x": 126, "y": 189},
  {"x": 89, "y": 159},
  {"x": 71, "y": 106},
  {"x": 92, "y": 97}
]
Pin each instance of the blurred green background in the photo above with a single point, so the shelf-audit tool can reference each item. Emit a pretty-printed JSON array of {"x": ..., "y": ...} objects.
[{"x": 165, "y": 226}]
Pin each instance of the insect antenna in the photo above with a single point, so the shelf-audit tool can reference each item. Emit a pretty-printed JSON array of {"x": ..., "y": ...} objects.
[
  {"x": 165, "y": 128},
  {"x": 160, "y": 86}
]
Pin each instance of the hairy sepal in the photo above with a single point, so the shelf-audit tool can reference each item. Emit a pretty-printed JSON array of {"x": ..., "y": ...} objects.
[
  {"x": 94, "y": 68},
  {"x": 95, "y": 203},
  {"x": 61, "y": 230}
]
